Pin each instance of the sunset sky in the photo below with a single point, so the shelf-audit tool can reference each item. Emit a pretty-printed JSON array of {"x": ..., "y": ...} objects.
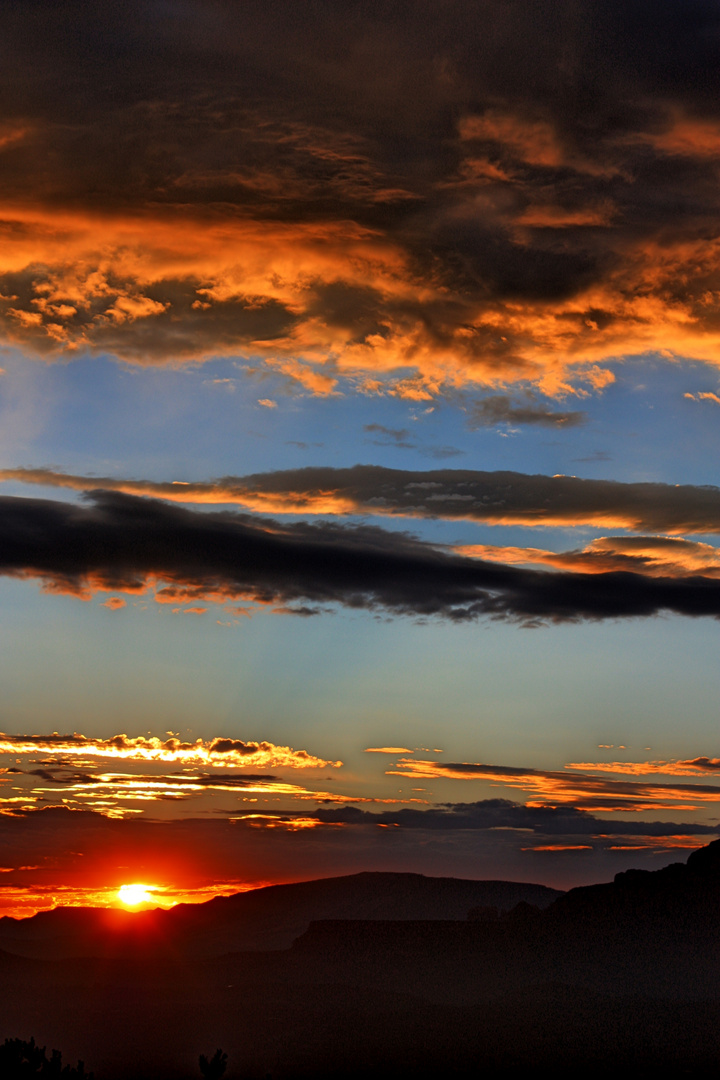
[{"x": 359, "y": 428}]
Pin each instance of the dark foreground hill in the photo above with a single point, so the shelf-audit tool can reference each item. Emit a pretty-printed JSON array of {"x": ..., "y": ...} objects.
[
  {"x": 621, "y": 978},
  {"x": 269, "y": 918}
]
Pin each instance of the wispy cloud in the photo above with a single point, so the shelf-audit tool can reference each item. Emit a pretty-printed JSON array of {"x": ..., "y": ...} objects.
[
  {"x": 583, "y": 791},
  {"x": 500, "y": 409},
  {"x": 108, "y": 793},
  {"x": 700, "y": 766}
]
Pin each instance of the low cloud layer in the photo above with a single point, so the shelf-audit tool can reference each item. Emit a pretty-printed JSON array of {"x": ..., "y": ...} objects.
[
  {"x": 474, "y": 191},
  {"x": 79, "y": 856},
  {"x": 501, "y": 814},
  {"x": 494, "y": 498},
  {"x": 121, "y": 543}
]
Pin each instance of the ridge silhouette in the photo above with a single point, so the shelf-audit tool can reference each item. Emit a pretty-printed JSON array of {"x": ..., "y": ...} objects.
[{"x": 267, "y": 918}]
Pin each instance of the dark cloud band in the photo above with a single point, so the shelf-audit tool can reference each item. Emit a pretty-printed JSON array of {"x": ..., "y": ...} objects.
[
  {"x": 120, "y": 542},
  {"x": 491, "y": 497}
]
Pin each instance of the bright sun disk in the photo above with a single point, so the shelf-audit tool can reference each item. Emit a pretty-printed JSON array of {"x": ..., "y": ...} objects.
[{"x": 135, "y": 894}]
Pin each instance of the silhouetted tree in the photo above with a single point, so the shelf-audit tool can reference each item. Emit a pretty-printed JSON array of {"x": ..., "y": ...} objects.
[
  {"x": 215, "y": 1067},
  {"x": 20, "y": 1059}
]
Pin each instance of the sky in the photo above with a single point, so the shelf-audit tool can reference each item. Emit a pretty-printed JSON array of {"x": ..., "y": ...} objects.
[{"x": 359, "y": 420}]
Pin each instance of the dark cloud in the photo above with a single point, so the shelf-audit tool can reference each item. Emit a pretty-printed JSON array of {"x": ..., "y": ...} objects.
[
  {"x": 505, "y": 814},
  {"x": 497, "y": 497},
  {"x": 60, "y": 775},
  {"x": 400, "y": 435},
  {"x": 485, "y": 188},
  {"x": 397, "y": 437},
  {"x": 120, "y": 542},
  {"x": 492, "y": 497},
  {"x": 500, "y": 409}
]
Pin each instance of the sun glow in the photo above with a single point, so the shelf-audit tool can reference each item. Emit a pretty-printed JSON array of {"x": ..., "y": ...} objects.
[{"x": 134, "y": 894}]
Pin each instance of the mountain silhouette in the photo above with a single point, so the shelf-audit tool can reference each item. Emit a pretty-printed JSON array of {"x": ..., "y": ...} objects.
[
  {"x": 267, "y": 918},
  {"x": 622, "y": 977}
]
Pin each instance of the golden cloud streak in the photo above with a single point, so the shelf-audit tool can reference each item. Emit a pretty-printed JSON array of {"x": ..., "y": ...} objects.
[
  {"x": 387, "y": 750},
  {"x": 660, "y": 843},
  {"x": 654, "y": 556},
  {"x": 214, "y": 752},
  {"x": 561, "y": 788},
  {"x": 149, "y": 789},
  {"x": 559, "y": 847},
  {"x": 701, "y": 766},
  {"x": 210, "y": 494},
  {"x": 294, "y": 824}
]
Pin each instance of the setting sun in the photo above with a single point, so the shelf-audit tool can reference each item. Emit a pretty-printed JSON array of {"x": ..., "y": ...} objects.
[{"x": 135, "y": 894}]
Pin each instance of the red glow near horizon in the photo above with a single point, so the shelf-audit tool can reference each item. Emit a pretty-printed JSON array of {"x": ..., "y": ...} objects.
[{"x": 21, "y": 903}]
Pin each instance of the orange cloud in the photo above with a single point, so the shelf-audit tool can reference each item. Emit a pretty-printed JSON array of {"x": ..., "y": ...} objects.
[
  {"x": 703, "y": 396},
  {"x": 582, "y": 791},
  {"x": 556, "y": 217},
  {"x": 315, "y": 381},
  {"x": 498, "y": 498},
  {"x": 169, "y": 288},
  {"x": 387, "y": 750},
  {"x": 701, "y": 766},
  {"x": 406, "y": 213},
  {"x": 214, "y": 752},
  {"x": 658, "y": 556},
  {"x": 658, "y": 843},
  {"x": 105, "y": 792},
  {"x": 532, "y": 140},
  {"x": 289, "y": 824},
  {"x": 213, "y": 493},
  {"x": 559, "y": 847},
  {"x": 686, "y": 136},
  {"x": 114, "y": 603}
]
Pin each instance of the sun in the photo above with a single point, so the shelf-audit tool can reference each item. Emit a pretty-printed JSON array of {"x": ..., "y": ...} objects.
[{"x": 134, "y": 894}]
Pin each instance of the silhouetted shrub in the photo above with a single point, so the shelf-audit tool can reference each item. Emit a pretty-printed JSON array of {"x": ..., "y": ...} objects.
[
  {"x": 20, "y": 1059},
  {"x": 215, "y": 1067}
]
